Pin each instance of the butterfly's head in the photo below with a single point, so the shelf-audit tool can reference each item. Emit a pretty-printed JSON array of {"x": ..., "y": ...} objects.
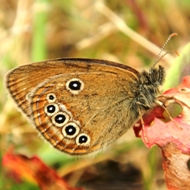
[{"x": 157, "y": 75}]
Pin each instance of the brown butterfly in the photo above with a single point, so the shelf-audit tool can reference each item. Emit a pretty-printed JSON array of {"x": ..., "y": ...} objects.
[{"x": 82, "y": 105}]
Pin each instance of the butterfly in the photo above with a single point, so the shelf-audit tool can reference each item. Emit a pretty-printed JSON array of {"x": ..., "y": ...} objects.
[{"x": 81, "y": 105}]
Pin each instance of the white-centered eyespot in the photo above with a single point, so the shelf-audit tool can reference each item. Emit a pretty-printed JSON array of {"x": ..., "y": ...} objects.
[
  {"x": 51, "y": 109},
  {"x": 75, "y": 86},
  {"x": 60, "y": 119},
  {"x": 51, "y": 97},
  {"x": 83, "y": 139},
  {"x": 70, "y": 130}
]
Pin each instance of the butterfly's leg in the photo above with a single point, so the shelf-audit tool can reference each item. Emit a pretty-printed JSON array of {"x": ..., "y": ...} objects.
[
  {"x": 164, "y": 107},
  {"x": 143, "y": 126}
]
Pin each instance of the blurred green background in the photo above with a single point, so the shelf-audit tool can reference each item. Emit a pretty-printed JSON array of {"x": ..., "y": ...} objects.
[{"x": 35, "y": 30}]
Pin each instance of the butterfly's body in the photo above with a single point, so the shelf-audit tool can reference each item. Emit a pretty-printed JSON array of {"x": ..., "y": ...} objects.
[{"x": 82, "y": 105}]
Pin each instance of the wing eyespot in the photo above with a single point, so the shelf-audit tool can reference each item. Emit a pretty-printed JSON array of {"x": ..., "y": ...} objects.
[
  {"x": 75, "y": 86},
  {"x": 83, "y": 139},
  {"x": 60, "y": 119},
  {"x": 51, "y": 109},
  {"x": 51, "y": 97},
  {"x": 70, "y": 130}
]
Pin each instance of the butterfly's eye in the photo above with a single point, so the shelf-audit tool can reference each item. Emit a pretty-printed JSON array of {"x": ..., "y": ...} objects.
[
  {"x": 83, "y": 139},
  {"x": 51, "y": 97},
  {"x": 70, "y": 130},
  {"x": 51, "y": 109},
  {"x": 60, "y": 119},
  {"x": 75, "y": 86}
]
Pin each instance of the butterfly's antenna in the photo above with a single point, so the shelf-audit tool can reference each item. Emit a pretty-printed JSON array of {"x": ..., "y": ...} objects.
[{"x": 162, "y": 49}]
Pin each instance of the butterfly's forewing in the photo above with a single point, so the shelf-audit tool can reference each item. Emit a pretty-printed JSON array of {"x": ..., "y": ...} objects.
[{"x": 78, "y": 105}]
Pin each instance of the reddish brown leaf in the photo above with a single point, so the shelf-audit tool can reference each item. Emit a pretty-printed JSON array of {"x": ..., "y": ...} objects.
[{"x": 33, "y": 169}]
